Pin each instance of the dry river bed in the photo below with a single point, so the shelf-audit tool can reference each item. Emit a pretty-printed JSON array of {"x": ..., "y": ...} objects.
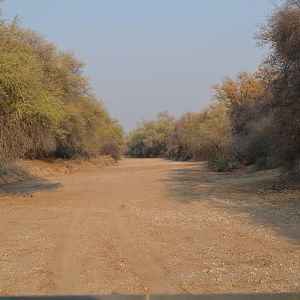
[{"x": 149, "y": 226}]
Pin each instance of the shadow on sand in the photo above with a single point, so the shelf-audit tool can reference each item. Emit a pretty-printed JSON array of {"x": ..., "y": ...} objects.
[
  {"x": 29, "y": 186},
  {"x": 239, "y": 193}
]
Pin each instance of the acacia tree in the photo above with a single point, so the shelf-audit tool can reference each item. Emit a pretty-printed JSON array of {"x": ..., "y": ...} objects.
[
  {"x": 29, "y": 109},
  {"x": 46, "y": 104},
  {"x": 246, "y": 98},
  {"x": 281, "y": 33}
]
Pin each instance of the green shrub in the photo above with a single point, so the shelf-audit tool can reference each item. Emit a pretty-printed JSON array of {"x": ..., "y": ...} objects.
[{"x": 46, "y": 107}]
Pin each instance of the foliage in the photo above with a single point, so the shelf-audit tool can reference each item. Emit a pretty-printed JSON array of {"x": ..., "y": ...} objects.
[
  {"x": 245, "y": 98},
  {"x": 46, "y": 107},
  {"x": 201, "y": 136},
  {"x": 282, "y": 34},
  {"x": 151, "y": 137}
]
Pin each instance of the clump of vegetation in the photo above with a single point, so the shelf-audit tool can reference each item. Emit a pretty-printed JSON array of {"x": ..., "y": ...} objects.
[
  {"x": 150, "y": 138},
  {"x": 282, "y": 34},
  {"x": 255, "y": 118},
  {"x": 46, "y": 106},
  {"x": 245, "y": 99}
]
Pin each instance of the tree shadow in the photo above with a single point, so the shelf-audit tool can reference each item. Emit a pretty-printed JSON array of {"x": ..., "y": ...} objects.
[
  {"x": 29, "y": 186},
  {"x": 236, "y": 193}
]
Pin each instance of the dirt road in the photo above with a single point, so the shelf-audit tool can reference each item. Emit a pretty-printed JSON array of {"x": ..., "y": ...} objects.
[{"x": 149, "y": 226}]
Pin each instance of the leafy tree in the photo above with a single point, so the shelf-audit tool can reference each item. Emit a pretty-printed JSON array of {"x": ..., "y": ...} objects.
[
  {"x": 281, "y": 33},
  {"x": 151, "y": 137},
  {"x": 46, "y": 106},
  {"x": 246, "y": 97}
]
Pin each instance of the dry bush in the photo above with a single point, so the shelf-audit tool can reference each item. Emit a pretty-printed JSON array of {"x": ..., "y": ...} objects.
[
  {"x": 282, "y": 34},
  {"x": 10, "y": 172},
  {"x": 14, "y": 141},
  {"x": 112, "y": 149}
]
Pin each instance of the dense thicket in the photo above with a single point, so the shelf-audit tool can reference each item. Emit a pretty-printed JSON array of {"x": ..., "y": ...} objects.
[
  {"x": 151, "y": 137},
  {"x": 254, "y": 118},
  {"x": 46, "y": 107},
  {"x": 282, "y": 34}
]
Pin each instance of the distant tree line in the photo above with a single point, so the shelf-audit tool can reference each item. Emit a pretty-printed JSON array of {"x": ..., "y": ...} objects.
[
  {"x": 254, "y": 119},
  {"x": 46, "y": 105}
]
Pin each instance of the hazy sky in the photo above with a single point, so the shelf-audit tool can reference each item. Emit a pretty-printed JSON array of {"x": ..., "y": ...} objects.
[{"x": 143, "y": 57}]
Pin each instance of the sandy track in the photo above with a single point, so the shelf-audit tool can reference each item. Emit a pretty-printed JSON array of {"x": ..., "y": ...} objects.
[{"x": 149, "y": 225}]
